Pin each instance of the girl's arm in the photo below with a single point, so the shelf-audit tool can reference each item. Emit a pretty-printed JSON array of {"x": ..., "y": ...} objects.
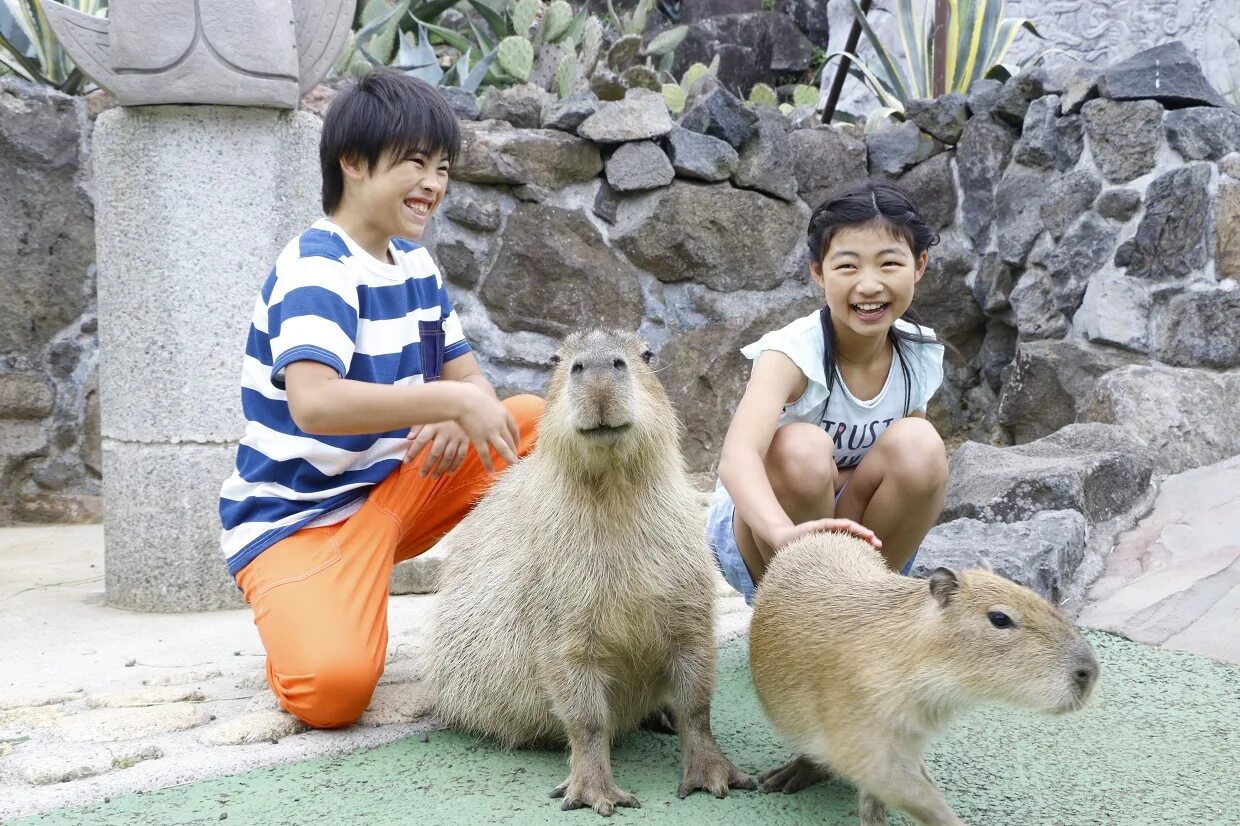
[{"x": 774, "y": 382}]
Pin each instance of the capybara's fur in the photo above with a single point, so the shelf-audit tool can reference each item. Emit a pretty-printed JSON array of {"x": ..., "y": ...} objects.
[
  {"x": 578, "y": 596},
  {"x": 858, "y": 667}
]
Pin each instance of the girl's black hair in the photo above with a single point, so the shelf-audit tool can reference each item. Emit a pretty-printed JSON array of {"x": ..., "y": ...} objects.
[
  {"x": 874, "y": 202},
  {"x": 384, "y": 111}
]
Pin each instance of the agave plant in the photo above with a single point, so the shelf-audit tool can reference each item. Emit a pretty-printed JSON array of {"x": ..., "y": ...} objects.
[
  {"x": 29, "y": 48},
  {"x": 978, "y": 38}
]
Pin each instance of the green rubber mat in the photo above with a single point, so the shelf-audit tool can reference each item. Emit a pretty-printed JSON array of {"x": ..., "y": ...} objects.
[{"x": 1159, "y": 744}]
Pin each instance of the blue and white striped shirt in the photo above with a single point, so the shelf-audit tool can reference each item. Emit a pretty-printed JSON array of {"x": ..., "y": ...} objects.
[{"x": 326, "y": 300}]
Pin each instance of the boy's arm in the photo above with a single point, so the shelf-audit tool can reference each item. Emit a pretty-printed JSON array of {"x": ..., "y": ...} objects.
[
  {"x": 465, "y": 368},
  {"x": 322, "y": 403}
]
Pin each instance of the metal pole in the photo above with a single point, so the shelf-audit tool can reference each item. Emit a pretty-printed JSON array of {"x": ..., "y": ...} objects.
[
  {"x": 940, "y": 47},
  {"x": 850, "y": 46}
]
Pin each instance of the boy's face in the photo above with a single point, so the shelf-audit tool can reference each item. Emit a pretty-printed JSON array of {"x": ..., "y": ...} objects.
[{"x": 398, "y": 195}]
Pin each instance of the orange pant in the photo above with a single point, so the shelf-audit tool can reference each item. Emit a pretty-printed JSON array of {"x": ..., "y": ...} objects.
[{"x": 320, "y": 596}]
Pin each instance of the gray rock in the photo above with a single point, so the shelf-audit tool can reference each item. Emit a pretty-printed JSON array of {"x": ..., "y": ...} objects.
[
  {"x": 1018, "y": 214},
  {"x": 638, "y": 165},
  {"x": 1082, "y": 251},
  {"x": 693, "y": 10},
  {"x": 993, "y": 284},
  {"x": 766, "y": 162},
  {"x": 568, "y": 114},
  {"x": 983, "y": 96},
  {"x": 459, "y": 262},
  {"x": 1187, "y": 417},
  {"x": 1096, "y": 469},
  {"x": 1230, "y": 165},
  {"x": 521, "y": 105},
  {"x": 1034, "y": 308},
  {"x": 944, "y": 300},
  {"x": 253, "y": 726},
  {"x": 932, "y": 187},
  {"x": 642, "y": 115},
  {"x": 464, "y": 103},
  {"x": 1118, "y": 204},
  {"x": 1014, "y": 98},
  {"x": 981, "y": 156},
  {"x": 1199, "y": 327},
  {"x": 492, "y": 152},
  {"x": 606, "y": 202},
  {"x": 752, "y": 47},
  {"x": 1203, "y": 132},
  {"x": 809, "y": 15},
  {"x": 1042, "y": 553},
  {"x": 707, "y": 233},
  {"x": 1116, "y": 310},
  {"x": 25, "y": 396},
  {"x": 1067, "y": 197},
  {"x": 1080, "y": 87},
  {"x": 1048, "y": 140},
  {"x": 892, "y": 151},
  {"x": 824, "y": 159},
  {"x": 1168, "y": 73},
  {"x": 705, "y": 374},
  {"x": 698, "y": 156},
  {"x": 419, "y": 575},
  {"x": 998, "y": 351},
  {"x": 1172, "y": 235},
  {"x": 1227, "y": 230},
  {"x": 942, "y": 118},
  {"x": 1049, "y": 383},
  {"x": 471, "y": 207},
  {"x": 581, "y": 281},
  {"x": 720, "y": 114},
  {"x": 1124, "y": 137},
  {"x": 105, "y": 725}
]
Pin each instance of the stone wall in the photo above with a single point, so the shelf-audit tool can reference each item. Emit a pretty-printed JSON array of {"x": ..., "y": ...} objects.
[{"x": 1089, "y": 223}]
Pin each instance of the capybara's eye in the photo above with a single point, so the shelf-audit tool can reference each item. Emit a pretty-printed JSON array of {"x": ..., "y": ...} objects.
[
  {"x": 999, "y": 619},
  {"x": 555, "y": 360},
  {"x": 648, "y": 356}
]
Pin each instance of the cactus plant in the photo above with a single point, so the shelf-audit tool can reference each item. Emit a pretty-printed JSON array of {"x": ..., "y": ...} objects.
[
  {"x": 642, "y": 77},
  {"x": 763, "y": 95},
  {"x": 803, "y": 95},
  {"x": 624, "y": 52},
  {"x": 556, "y": 20},
  {"x": 523, "y": 14},
  {"x": 566, "y": 76},
  {"x": 674, "y": 97},
  {"x": 516, "y": 57},
  {"x": 591, "y": 44}
]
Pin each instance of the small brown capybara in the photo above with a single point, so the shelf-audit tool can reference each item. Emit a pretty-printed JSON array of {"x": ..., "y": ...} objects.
[
  {"x": 578, "y": 596},
  {"x": 858, "y": 667}
]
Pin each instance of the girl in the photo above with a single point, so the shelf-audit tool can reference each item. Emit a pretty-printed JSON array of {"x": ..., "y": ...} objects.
[{"x": 831, "y": 433}]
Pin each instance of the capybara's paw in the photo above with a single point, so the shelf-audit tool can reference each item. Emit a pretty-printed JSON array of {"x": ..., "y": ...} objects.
[
  {"x": 791, "y": 777},
  {"x": 601, "y": 796},
  {"x": 715, "y": 774}
]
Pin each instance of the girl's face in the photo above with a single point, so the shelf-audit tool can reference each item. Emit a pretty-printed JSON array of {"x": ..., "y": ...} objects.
[{"x": 868, "y": 276}]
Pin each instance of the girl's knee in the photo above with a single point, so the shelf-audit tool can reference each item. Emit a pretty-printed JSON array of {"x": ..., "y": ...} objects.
[
  {"x": 801, "y": 462},
  {"x": 335, "y": 694},
  {"x": 915, "y": 450}
]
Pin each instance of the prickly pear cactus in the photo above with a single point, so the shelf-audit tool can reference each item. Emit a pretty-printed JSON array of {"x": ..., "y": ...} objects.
[
  {"x": 691, "y": 74},
  {"x": 558, "y": 18},
  {"x": 591, "y": 43},
  {"x": 624, "y": 52},
  {"x": 566, "y": 77},
  {"x": 606, "y": 85},
  {"x": 763, "y": 95},
  {"x": 804, "y": 95},
  {"x": 516, "y": 57},
  {"x": 642, "y": 77},
  {"x": 547, "y": 60},
  {"x": 674, "y": 97},
  {"x": 523, "y": 14}
]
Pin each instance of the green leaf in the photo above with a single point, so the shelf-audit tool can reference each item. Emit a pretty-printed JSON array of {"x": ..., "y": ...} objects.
[
  {"x": 478, "y": 73},
  {"x": 453, "y": 38},
  {"x": 884, "y": 93},
  {"x": 665, "y": 42},
  {"x": 494, "y": 19},
  {"x": 432, "y": 10},
  {"x": 895, "y": 81}
]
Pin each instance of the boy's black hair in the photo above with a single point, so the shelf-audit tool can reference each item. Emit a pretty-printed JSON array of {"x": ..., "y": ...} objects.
[
  {"x": 875, "y": 202},
  {"x": 386, "y": 111}
]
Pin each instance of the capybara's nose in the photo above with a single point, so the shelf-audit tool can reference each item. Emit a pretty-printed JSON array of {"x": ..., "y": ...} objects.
[
  {"x": 619, "y": 365},
  {"x": 1085, "y": 673},
  {"x": 600, "y": 365}
]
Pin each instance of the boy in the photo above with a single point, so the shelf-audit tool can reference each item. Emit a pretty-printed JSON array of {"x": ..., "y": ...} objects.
[{"x": 355, "y": 361}]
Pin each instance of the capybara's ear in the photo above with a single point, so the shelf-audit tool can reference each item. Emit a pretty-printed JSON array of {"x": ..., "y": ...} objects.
[{"x": 944, "y": 585}]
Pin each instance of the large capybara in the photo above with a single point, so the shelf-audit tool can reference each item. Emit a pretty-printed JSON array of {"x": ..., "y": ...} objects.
[
  {"x": 578, "y": 596},
  {"x": 858, "y": 667}
]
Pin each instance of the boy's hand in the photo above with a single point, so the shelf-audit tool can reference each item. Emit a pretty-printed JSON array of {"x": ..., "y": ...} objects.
[
  {"x": 789, "y": 535},
  {"x": 449, "y": 446},
  {"x": 488, "y": 424}
]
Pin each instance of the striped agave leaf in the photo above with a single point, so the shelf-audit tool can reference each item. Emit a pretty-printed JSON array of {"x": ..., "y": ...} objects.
[{"x": 978, "y": 37}]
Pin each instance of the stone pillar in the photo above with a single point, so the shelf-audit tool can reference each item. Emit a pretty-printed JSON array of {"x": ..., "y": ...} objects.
[{"x": 193, "y": 203}]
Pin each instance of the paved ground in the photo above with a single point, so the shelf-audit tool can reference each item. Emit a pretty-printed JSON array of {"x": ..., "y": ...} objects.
[
  {"x": 1157, "y": 746},
  {"x": 97, "y": 704},
  {"x": 1174, "y": 581}
]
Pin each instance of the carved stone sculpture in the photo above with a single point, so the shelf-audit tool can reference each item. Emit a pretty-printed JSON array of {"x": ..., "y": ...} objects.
[{"x": 232, "y": 52}]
